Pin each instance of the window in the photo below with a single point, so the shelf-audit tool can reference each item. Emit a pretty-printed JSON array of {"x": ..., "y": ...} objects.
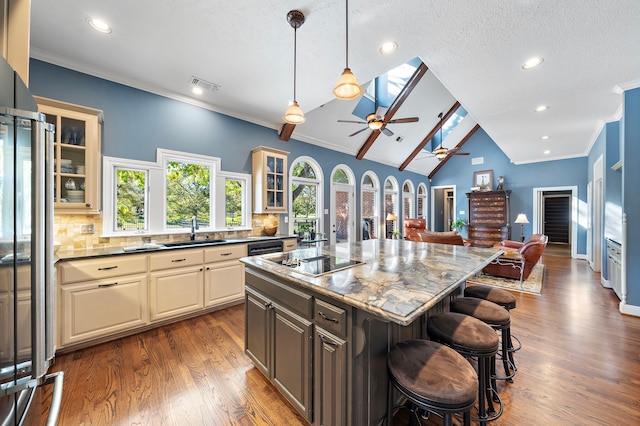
[
  {"x": 161, "y": 198},
  {"x": 422, "y": 200},
  {"x": 390, "y": 204},
  {"x": 370, "y": 201},
  {"x": 131, "y": 199},
  {"x": 188, "y": 194},
  {"x": 407, "y": 199},
  {"x": 306, "y": 199}
]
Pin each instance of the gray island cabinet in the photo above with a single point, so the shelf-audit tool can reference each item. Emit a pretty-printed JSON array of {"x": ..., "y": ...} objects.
[{"x": 322, "y": 340}]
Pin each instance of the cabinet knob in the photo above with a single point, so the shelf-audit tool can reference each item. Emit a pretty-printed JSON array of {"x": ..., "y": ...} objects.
[{"x": 88, "y": 205}]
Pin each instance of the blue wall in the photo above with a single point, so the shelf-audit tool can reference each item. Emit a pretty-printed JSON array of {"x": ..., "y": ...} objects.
[
  {"x": 520, "y": 179},
  {"x": 136, "y": 123},
  {"x": 630, "y": 128}
]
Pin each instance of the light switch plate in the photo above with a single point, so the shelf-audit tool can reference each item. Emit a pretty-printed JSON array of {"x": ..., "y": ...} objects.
[{"x": 86, "y": 229}]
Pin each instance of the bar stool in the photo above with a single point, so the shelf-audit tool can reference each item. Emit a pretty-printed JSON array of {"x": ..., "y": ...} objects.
[
  {"x": 471, "y": 338},
  {"x": 500, "y": 297},
  {"x": 495, "y": 316},
  {"x": 433, "y": 377}
]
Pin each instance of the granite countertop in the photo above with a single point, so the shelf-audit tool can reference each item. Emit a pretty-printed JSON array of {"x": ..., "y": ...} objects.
[
  {"x": 398, "y": 281},
  {"x": 141, "y": 248}
]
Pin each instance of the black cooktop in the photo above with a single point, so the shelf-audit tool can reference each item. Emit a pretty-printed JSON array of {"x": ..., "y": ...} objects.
[{"x": 314, "y": 265}]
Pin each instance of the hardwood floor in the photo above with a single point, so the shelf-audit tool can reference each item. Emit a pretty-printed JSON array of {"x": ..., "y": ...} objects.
[{"x": 579, "y": 365}]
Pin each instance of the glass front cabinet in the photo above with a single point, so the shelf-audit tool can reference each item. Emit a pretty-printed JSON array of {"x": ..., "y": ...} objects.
[
  {"x": 76, "y": 155},
  {"x": 269, "y": 180}
]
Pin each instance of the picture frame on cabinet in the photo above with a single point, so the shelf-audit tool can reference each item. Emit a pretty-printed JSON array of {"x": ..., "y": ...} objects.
[{"x": 483, "y": 179}]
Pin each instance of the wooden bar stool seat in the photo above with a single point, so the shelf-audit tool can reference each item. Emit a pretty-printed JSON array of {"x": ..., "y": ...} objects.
[{"x": 432, "y": 377}]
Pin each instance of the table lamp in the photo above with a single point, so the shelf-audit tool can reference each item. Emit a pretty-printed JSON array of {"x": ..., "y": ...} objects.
[
  {"x": 522, "y": 219},
  {"x": 391, "y": 217}
]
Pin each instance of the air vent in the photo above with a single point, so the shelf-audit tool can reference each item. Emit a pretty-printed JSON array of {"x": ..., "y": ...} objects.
[{"x": 204, "y": 85}]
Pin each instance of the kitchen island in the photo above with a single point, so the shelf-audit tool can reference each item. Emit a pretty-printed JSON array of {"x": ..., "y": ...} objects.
[{"x": 322, "y": 337}]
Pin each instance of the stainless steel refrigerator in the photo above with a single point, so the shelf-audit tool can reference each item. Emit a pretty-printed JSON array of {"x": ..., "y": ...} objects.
[{"x": 26, "y": 252}]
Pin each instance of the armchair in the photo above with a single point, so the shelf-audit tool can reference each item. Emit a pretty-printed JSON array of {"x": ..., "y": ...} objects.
[
  {"x": 412, "y": 227},
  {"x": 451, "y": 238},
  {"x": 530, "y": 250}
]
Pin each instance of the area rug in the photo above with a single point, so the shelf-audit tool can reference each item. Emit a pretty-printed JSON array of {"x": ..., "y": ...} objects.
[{"x": 532, "y": 285}]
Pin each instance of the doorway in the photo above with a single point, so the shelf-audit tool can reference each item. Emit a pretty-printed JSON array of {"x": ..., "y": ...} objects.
[
  {"x": 343, "y": 218},
  {"x": 443, "y": 207},
  {"x": 559, "y": 206}
]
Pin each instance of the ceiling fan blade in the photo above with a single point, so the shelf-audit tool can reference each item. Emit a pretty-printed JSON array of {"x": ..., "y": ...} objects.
[
  {"x": 359, "y": 131},
  {"x": 386, "y": 131},
  {"x": 403, "y": 120},
  {"x": 351, "y": 121},
  {"x": 461, "y": 153}
]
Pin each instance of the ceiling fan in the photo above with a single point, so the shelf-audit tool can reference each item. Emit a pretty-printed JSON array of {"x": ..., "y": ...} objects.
[
  {"x": 376, "y": 120},
  {"x": 441, "y": 152}
]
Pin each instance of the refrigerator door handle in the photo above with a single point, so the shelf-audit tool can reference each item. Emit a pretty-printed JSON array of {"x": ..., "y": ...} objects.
[{"x": 56, "y": 397}]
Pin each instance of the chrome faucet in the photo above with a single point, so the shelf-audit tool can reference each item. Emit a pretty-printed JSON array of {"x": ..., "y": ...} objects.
[{"x": 194, "y": 226}]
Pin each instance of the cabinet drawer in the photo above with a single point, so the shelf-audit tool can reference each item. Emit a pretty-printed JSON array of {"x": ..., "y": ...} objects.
[
  {"x": 330, "y": 317},
  {"x": 88, "y": 270},
  {"x": 297, "y": 301},
  {"x": 290, "y": 244},
  {"x": 176, "y": 259},
  {"x": 230, "y": 252}
]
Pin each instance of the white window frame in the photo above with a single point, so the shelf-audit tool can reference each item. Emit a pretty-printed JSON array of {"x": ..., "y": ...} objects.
[
  {"x": 156, "y": 193},
  {"x": 394, "y": 192},
  {"x": 411, "y": 197},
  {"x": 318, "y": 182},
  {"x": 376, "y": 197},
  {"x": 424, "y": 198}
]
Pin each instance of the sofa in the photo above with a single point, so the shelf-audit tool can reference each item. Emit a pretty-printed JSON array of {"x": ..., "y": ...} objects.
[
  {"x": 531, "y": 250},
  {"x": 413, "y": 226},
  {"x": 449, "y": 237}
]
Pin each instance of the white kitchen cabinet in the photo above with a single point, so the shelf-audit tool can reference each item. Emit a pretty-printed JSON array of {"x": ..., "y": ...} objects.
[
  {"x": 175, "y": 283},
  {"x": 269, "y": 169},
  {"x": 101, "y": 297},
  {"x": 224, "y": 275},
  {"x": 77, "y": 155}
]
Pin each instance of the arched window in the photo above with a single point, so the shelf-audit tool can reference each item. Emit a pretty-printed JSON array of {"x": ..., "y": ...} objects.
[
  {"x": 422, "y": 200},
  {"x": 370, "y": 206},
  {"x": 343, "y": 212},
  {"x": 407, "y": 199},
  {"x": 390, "y": 211},
  {"x": 306, "y": 196}
]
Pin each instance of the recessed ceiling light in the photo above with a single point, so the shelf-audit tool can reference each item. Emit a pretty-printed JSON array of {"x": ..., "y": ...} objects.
[
  {"x": 388, "y": 47},
  {"x": 547, "y": 152},
  {"x": 197, "y": 91},
  {"x": 541, "y": 108},
  {"x": 545, "y": 137},
  {"x": 99, "y": 25},
  {"x": 532, "y": 62}
]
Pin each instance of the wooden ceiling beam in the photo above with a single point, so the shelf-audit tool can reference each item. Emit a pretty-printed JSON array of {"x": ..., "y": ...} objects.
[
  {"x": 445, "y": 159},
  {"x": 393, "y": 108},
  {"x": 286, "y": 131},
  {"x": 429, "y": 136}
]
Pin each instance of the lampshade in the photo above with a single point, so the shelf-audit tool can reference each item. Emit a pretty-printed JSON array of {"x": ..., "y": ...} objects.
[
  {"x": 522, "y": 218},
  {"x": 373, "y": 122},
  {"x": 347, "y": 86},
  {"x": 391, "y": 217},
  {"x": 294, "y": 114}
]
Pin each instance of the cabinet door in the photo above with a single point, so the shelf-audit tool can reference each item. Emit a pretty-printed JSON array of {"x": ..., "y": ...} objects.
[
  {"x": 77, "y": 155},
  {"x": 175, "y": 291},
  {"x": 269, "y": 168},
  {"x": 256, "y": 331},
  {"x": 292, "y": 362},
  {"x": 99, "y": 308},
  {"x": 330, "y": 379},
  {"x": 223, "y": 283}
]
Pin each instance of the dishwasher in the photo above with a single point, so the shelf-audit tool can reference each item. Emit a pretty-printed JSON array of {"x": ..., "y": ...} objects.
[{"x": 264, "y": 247}]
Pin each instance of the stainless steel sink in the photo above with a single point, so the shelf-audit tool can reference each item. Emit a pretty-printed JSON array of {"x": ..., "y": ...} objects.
[{"x": 192, "y": 243}]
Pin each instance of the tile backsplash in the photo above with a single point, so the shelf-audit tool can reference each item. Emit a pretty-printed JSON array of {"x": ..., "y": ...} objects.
[{"x": 67, "y": 230}]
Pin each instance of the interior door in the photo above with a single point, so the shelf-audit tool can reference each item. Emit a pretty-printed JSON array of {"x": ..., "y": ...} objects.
[
  {"x": 342, "y": 214},
  {"x": 556, "y": 218}
]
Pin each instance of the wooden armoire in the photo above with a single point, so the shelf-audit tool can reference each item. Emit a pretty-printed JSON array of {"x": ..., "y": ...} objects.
[{"x": 489, "y": 221}]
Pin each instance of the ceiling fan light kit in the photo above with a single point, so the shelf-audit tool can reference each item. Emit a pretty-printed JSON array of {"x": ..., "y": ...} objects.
[
  {"x": 294, "y": 114},
  {"x": 347, "y": 87}
]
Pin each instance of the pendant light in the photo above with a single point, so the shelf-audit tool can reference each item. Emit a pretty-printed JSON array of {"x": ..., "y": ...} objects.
[
  {"x": 441, "y": 152},
  {"x": 294, "y": 114},
  {"x": 347, "y": 86}
]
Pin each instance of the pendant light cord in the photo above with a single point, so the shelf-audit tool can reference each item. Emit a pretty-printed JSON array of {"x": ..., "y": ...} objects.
[
  {"x": 295, "y": 60},
  {"x": 347, "y": 33}
]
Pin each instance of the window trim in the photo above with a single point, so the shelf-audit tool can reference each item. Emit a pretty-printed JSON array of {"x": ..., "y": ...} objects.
[
  {"x": 221, "y": 208},
  {"x": 318, "y": 182}
]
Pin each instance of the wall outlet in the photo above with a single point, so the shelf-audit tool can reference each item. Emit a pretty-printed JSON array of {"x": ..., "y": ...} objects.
[
  {"x": 257, "y": 222},
  {"x": 86, "y": 229}
]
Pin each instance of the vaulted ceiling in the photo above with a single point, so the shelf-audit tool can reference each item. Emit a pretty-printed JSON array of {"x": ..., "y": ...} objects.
[{"x": 473, "y": 51}]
